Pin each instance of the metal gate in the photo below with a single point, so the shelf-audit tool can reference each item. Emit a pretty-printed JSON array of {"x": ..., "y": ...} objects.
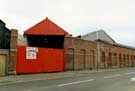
[{"x": 2, "y": 65}]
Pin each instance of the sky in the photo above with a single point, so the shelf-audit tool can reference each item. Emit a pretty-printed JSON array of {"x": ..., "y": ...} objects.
[{"x": 78, "y": 17}]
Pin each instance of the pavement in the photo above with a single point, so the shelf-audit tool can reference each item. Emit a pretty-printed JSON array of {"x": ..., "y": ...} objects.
[{"x": 96, "y": 80}]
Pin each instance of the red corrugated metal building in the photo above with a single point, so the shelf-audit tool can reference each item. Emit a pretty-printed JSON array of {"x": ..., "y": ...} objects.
[{"x": 44, "y": 51}]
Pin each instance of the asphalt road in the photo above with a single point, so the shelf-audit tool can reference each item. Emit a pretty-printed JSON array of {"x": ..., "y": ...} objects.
[{"x": 119, "y": 80}]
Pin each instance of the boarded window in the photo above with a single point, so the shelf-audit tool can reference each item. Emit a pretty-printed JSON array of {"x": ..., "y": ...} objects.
[
  {"x": 103, "y": 59},
  {"x": 115, "y": 59},
  {"x": 110, "y": 59},
  {"x": 82, "y": 59},
  {"x": 128, "y": 59},
  {"x": 124, "y": 60},
  {"x": 69, "y": 59},
  {"x": 120, "y": 60},
  {"x": 89, "y": 59},
  {"x": 131, "y": 59}
]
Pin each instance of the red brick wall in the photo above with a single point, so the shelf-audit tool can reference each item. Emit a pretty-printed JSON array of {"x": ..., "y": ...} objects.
[
  {"x": 83, "y": 56},
  {"x": 115, "y": 58}
]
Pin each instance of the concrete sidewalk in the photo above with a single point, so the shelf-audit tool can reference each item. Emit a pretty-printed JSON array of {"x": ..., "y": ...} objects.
[{"x": 45, "y": 76}]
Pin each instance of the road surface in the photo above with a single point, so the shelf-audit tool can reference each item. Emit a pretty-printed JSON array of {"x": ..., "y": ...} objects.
[{"x": 119, "y": 80}]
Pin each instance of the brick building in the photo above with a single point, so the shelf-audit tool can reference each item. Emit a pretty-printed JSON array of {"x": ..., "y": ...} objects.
[
  {"x": 8, "y": 44},
  {"x": 96, "y": 50},
  {"x": 90, "y": 51},
  {"x": 111, "y": 54},
  {"x": 80, "y": 54}
]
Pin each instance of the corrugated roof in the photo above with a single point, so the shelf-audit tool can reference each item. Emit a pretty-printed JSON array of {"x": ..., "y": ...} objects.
[
  {"x": 99, "y": 35},
  {"x": 45, "y": 27}
]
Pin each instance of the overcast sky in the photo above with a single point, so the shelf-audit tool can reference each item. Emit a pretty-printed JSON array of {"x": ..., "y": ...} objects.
[{"x": 116, "y": 17}]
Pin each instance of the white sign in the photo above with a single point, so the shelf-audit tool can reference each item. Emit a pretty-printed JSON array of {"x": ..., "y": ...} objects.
[{"x": 31, "y": 52}]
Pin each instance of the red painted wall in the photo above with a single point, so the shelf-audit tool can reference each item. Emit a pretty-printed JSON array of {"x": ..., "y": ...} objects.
[{"x": 48, "y": 60}]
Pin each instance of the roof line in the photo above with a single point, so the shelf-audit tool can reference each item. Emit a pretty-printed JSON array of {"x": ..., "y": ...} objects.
[
  {"x": 117, "y": 44},
  {"x": 2, "y": 22},
  {"x": 99, "y": 31},
  {"x": 109, "y": 36}
]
